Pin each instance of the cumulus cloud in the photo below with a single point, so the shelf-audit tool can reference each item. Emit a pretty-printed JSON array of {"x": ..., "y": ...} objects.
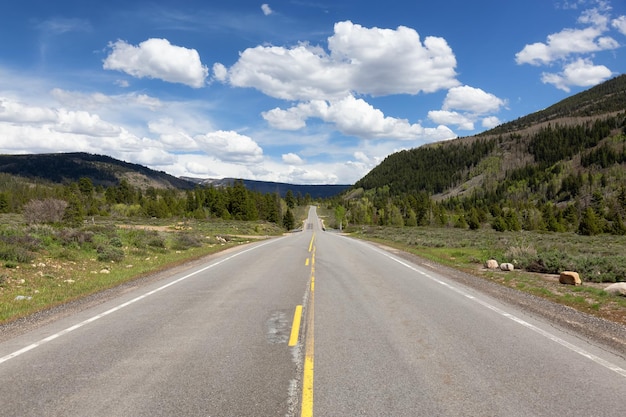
[
  {"x": 620, "y": 24},
  {"x": 267, "y": 10},
  {"x": 159, "y": 59},
  {"x": 446, "y": 117},
  {"x": 569, "y": 41},
  {"x": 490, "y": 122},
  {"x": 84, "y": 123},
  {"x": 230, "y": 146},
  {"x": 573, "y": 50},
  {"x": 292, "y": 159},
  {"x": 465, "y": 105},
  {"x": 473, "y": 100},
  {"x": 580, "y": 73},
  {"x": 360, "y": 60},
  {"x": 15, "y": 112},
  {"x": 354, "y": 117}
]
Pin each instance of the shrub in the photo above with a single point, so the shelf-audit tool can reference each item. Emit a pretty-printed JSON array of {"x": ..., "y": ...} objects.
[
  {"x": 14, "y": 253},
  {"x": 110, "y": 253},
  {"x": 49, "y": 210},
  {"x": 185, "y": 241},
  {"x": 116, "y": 242},
  {"x": 78, "y": 237}
]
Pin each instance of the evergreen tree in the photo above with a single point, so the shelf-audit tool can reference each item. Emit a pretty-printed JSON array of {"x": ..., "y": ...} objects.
[
  {"x": 288, "y": 220},
  {"x": 472, "y": 220},
  {"x": 4, "y": 203},
  {"x": 589, "y": 224},
  {"x": 290, "y": 200}
]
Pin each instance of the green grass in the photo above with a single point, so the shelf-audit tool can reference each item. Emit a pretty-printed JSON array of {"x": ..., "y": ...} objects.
[{"x": 65, "y": 264}]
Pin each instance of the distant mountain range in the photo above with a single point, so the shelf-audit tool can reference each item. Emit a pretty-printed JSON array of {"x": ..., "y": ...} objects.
[
  {"x": 107, "y": 171},
  {"x": 264, "y": 187}
]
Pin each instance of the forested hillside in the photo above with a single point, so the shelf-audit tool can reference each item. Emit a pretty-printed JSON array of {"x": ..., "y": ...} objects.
[
  {"x": 560, "y": 169},
  {"x": 100, "y": 169}
]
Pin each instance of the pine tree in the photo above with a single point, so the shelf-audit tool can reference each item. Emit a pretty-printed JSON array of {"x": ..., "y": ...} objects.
[
  {"x": 288, "y": 220},
  {"x": 589, "y": 223}
]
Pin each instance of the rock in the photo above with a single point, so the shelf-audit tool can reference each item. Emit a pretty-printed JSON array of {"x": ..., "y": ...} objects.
[
  {"x": 619, "y": 288},
  {"x": 105, "y": 271},
  {"x": 23, "y": 297},
  {"x": 570, "y": 278},
  {"x": 492, "y": 264},
  {"x": 507, "y": 267}
]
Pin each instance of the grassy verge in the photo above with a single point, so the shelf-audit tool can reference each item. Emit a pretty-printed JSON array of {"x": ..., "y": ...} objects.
[
  {"x": 538, "y": 257},
  {"x": 44, "y": 266}
]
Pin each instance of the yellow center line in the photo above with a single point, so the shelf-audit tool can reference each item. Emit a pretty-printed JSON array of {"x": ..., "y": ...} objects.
[
  {"x": 295, "y": 328},
  {"x": 307, "y": 377},
  {"x": 311, "y": 242}
]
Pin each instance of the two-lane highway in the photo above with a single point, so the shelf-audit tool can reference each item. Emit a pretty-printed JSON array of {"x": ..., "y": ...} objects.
[{"x": 375, "y": 335}]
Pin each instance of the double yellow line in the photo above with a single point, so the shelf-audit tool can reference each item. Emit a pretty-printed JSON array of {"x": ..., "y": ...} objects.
[{"x": 307, "y": 376}]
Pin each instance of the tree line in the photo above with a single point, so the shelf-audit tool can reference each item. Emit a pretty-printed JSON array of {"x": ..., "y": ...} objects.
[{"x": 72, "y": 202}]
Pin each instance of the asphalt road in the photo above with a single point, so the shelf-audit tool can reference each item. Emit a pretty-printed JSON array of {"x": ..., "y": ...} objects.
[{"x": 377, "y": 336}]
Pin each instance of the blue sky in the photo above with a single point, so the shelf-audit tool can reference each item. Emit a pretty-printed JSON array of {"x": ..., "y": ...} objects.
[{"x": 300, "y": 91}]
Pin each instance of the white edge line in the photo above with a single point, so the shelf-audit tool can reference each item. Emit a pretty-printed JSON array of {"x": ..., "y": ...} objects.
[
  {"x": 126, "y": 304},
  {"x": 516, "y": 319}
]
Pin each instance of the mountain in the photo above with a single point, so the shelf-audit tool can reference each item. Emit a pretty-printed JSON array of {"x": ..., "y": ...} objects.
[
  {"x": 107, "y": 171},
  {"x": 534, "y": 157},
  {"x": 264, "y": 187},
  {"x": 102, "y": 170}
]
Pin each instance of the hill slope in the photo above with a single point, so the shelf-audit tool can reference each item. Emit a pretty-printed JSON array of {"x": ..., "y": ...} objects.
[
  {"x": 567, "y": 133},
  {"x": 102, "y": 170},
  {"x": 107, "y": 171}
]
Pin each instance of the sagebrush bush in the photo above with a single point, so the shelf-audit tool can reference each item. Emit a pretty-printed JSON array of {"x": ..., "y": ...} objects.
[
  {"x": 143, "y": 239},
  {"x": 184, "y": 241},
  {"x": 110, "y": 254},
  {"x": 14, "y": 253},
  {"x": 74, "y": 237}
]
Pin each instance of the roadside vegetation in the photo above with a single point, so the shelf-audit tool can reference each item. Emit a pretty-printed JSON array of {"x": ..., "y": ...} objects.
[
  {"x": 60, "y": 242},
  {"x": 538, "y": 258},
  {"x": 46, "y": 265}
]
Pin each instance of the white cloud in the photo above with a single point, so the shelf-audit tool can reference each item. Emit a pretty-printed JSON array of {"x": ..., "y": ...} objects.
[
  {"x": 157, "y": 58},
  {"x": 230, "y": 146},
  {"x": 355, "y": 117},
  {"x": 473, "y": 100},
  {"x": 387, "y": 61},
  {"x": 267, "y": 10},
  {"x": 361, "y": 157},
  {"x": 569, "y": 41},
  {"x": 292, "y": 159},
  {"x": 445, "y": 117},
  {"x": 84, "y": 123},
  {"x": 293, "y": 118},
  {"x": 361, "y": 60},
  {"x": 172, "y": 136},
  {"x": 464, "y": 106},
  {"x": 14, "y": 112},
  {"x": 580, "y": 73},
  {"x": 620, "y": 24},
  {"x": 490, "y": 122}
]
